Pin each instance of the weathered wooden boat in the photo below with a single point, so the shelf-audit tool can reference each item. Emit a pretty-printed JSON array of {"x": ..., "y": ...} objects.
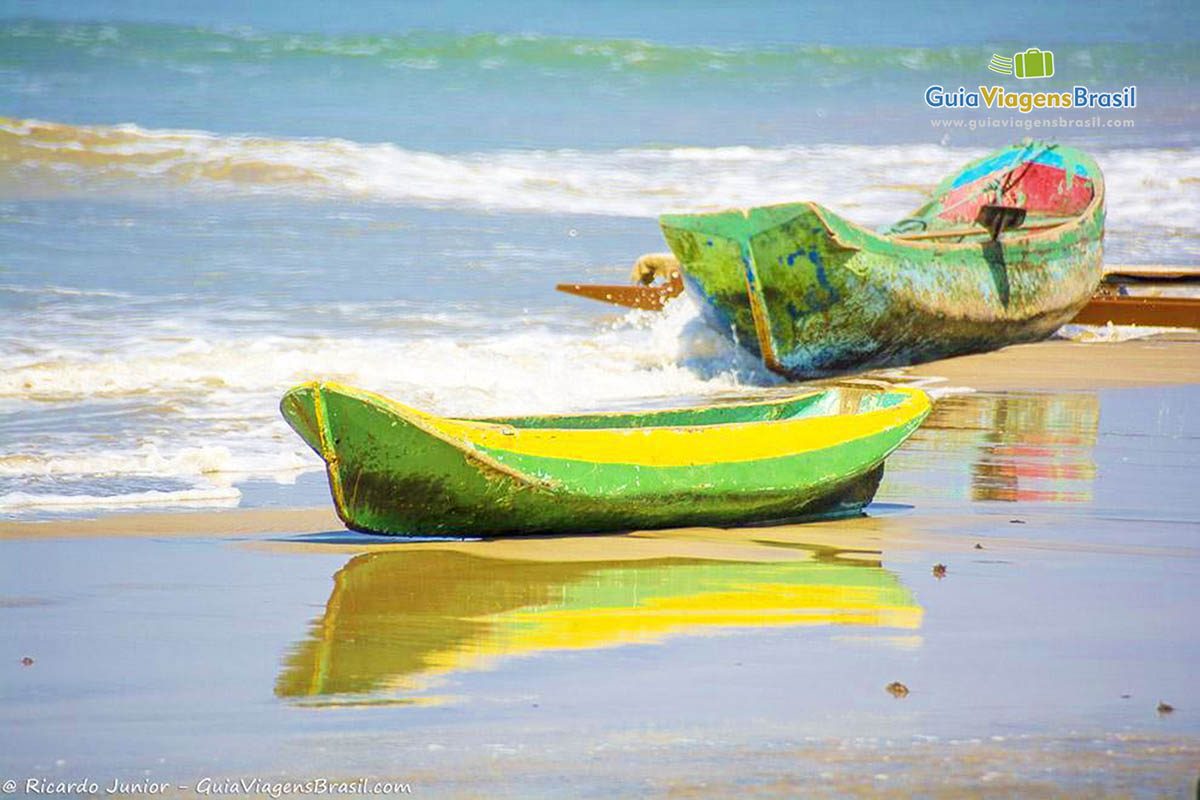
[
  {"x": 394, "y": 469},
  {"x": 1007, "y": 250}
]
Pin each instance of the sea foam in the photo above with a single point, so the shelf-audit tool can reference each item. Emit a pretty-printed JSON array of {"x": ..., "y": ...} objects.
[
  {"x": 1158, "y": 189},
  {"x": 225, "y": 497}
]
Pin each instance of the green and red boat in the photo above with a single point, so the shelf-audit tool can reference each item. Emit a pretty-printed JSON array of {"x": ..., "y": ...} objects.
[
  {"x": 396, "y": 470},
  {"x": 1007, "y": 250}
]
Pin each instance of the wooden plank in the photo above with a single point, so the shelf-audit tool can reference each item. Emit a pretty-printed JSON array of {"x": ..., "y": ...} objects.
[
  {"x": 1167, "y": 312},
  {"x": 648, "y": 298},
  {"x": 1152, "y": 272},
  {"x": 953, "y": 232}
]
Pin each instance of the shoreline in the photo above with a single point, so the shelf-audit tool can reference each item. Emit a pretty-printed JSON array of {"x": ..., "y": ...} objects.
[
  {"x": 904, "y": 534},
  {"x": 1048, "y": 366}
]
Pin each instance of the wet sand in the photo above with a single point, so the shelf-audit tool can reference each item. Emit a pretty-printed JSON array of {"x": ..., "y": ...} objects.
[
  {"x": 1166, "y": 359},
  {"x": 1059, "y": 495}
]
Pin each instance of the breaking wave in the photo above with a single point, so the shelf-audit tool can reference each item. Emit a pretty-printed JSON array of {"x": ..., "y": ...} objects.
[
  {"x": 218, "y": 398},
  {"x": 1158, "y": 188}
]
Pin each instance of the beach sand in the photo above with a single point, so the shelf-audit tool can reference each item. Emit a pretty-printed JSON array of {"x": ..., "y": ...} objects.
[
  {"x": 1054, "y": 481},
  {"x": 1057, "y": 365}
]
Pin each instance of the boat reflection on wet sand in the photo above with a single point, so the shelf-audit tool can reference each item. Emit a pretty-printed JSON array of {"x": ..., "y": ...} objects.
[
  {"x": 1027, "y": 447},
  {"x": 1039, "y": 449},
  {"x": 397, "y": 622}
]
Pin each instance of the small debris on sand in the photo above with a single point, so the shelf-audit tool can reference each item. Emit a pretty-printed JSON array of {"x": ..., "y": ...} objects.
[
  {"x": 939, "y": 571},
  {"x": 1165, "y": 708},
  {"x": 1017, "y": 521},
  {"x": 26, "y": 662},
  {"x": 897, "y": 689},
  {"x": 978, "y": 546}
]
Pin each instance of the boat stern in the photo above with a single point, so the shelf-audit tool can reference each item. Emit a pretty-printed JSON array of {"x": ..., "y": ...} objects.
[
  {"x": 393, "y": 470},
  {"x": 763, "y": 273}
]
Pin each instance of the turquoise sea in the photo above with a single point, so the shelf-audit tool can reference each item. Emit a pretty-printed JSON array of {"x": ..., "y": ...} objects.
[{"x": 201, "y": 205}]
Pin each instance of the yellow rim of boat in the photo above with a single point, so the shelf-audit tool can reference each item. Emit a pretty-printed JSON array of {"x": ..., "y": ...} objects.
[{"x": 675, "y": 445}]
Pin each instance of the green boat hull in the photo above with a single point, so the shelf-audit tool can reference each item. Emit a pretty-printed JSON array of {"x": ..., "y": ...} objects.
[
  {"x": 393, "y": 470},
  {"x": 813, "y": 294}
]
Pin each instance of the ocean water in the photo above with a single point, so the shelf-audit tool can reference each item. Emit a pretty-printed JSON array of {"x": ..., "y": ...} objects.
[{"x": 201, "y": 206}]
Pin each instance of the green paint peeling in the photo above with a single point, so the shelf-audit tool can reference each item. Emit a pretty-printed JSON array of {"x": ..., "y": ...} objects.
[{"x": 827, "y": 295}]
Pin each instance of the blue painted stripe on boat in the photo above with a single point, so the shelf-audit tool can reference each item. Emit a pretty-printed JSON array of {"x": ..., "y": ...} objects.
[{"x": 1047, "y": 158}]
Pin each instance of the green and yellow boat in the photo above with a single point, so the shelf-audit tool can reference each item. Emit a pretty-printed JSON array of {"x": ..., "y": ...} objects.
[
  {"x": 396, "y": 470},
  {"x": 1007, "y": 250}
]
